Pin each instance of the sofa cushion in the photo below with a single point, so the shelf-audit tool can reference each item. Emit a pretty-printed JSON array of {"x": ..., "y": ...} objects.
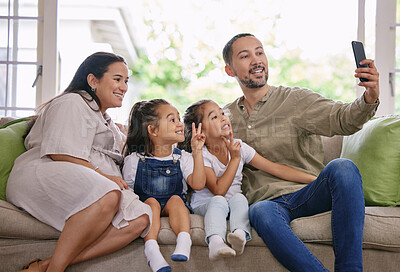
[
  {"x": 381, "y": 228},
  {"x": 375, "y": 151},
  {"x": 16, "y": 223},
  {"x": 11, "y": 137}
]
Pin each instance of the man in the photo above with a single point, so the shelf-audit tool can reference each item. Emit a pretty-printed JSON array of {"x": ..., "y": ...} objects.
[{"x": 283, "y": 124}]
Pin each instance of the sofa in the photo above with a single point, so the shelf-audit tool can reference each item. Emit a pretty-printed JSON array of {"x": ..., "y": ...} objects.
[{"x": 23, "y": 238}]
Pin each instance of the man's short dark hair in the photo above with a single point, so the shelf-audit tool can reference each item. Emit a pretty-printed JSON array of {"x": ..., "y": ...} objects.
[{"x": 227, "y": 51}]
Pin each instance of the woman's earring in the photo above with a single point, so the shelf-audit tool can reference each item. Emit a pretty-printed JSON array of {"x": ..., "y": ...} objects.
[{"x": 93, "y": 89}]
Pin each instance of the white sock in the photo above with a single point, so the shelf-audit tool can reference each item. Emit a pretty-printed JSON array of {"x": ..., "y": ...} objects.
[
  {"x": 182, "y": 249},
  {"x": 154, "y": 257},
  {"x": 237, "y": 239},
  {"x": 218, "y": 249}
]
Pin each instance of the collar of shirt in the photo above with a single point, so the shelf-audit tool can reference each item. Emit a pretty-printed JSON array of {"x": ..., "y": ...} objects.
[{"x": 240, "y": 101}]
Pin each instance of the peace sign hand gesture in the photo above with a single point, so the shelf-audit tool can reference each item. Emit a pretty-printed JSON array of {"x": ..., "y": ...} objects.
[
  {"x": 198, "y": 138},
  {"x": 233, "y": 147}
]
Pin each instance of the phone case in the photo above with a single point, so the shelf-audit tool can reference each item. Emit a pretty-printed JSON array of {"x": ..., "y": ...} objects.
[{"x": 359, "y": 55}]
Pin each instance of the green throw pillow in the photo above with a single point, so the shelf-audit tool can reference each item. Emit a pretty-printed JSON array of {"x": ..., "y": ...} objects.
[
  {"x": 376, "y": 151},
  {"x": 11, "y": 146}
]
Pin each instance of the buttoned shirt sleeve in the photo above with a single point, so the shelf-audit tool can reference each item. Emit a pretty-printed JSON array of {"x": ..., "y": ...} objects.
[{"x": 316, "y": 114}]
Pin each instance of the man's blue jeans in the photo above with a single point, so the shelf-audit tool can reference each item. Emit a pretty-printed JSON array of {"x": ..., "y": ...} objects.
[{"x": 337, "y": 188}]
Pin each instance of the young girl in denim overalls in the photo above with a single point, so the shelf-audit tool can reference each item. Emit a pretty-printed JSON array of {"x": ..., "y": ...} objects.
[
  {"x": 224, "y": 158},
  {"x": 157, "y": 172}
]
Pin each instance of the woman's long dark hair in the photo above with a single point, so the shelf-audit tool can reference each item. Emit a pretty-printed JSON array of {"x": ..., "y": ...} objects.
[
  {"x": 193, "y": 114},
  {"x": 143, "y": 114},
  {"x": 96, "y": 64}
]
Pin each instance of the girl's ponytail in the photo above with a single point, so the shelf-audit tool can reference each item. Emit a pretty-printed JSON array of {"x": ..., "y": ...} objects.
[
  {"x": 135, "y": 139},
  {"x": 143, "y": 114}
]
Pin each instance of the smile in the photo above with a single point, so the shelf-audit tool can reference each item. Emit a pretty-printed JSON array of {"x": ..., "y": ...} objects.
[
  {"x": 119, "y": 95},
  {"x": 257, "y": 70},
  {"x": 226, "y": 127}
]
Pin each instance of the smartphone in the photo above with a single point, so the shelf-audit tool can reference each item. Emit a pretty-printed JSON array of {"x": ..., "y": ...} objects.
[{"x": 359, "y": 55}]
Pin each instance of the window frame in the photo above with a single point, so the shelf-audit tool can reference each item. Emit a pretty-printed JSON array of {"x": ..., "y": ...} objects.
[
  {"x": 385, "y": 54},
  {"x": 47, "y": 75},
  {"x": 48, "y": 82}
]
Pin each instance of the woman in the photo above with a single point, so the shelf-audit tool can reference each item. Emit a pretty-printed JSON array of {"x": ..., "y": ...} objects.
[{"x": 69, "y": 177}]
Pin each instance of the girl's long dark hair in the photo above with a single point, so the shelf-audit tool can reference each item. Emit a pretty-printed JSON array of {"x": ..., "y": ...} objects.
[
  {"x": 143, "y": 114},
  {"x": 193, "y": 114}
]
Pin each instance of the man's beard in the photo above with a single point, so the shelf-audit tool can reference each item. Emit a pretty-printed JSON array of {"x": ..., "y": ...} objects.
[{"x": 254, "y": 84}]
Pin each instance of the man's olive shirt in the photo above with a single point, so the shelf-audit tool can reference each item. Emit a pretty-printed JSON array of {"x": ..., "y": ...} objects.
[{"x": 284, "y": 127}]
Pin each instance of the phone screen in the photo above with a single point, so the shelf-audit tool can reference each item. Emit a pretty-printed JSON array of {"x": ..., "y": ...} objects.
[{"x": 359, "y": 55}]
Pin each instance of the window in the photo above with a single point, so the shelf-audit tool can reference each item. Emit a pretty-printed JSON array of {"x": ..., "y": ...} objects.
[
  {"x": 27, "y": 29},
  {"x": 18, "y": 23},
  {"x": 25, "y": 26},
  {"x": 385, "y": 43}
]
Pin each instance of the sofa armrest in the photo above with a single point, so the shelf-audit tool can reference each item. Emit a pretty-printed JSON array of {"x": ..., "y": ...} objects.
[{"x": 6, "y": 119}]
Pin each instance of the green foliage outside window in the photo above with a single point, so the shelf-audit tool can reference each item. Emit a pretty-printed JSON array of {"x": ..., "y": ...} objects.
[
  {"x": 184, "y": 75},
  {"x": 164, "y": 79}
]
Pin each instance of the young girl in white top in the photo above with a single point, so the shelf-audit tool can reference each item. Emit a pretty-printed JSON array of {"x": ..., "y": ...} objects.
[
  {"x": 224, "y": 158},
  {"x": 157, "y": 172}
]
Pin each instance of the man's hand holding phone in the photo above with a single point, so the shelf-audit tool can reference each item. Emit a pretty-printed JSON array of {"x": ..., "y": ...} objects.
[{"x": 367, "y": 73}]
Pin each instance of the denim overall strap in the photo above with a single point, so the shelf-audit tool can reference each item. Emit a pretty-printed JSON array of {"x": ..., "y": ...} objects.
[
  {"x": 178, "y": 152},
  {"x": 159, "y": 179}
]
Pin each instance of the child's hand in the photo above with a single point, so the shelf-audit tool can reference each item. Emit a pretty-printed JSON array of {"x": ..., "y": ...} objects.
[
  {"x": 233, "y": 147},
  {"x": 198, "y": 138}
]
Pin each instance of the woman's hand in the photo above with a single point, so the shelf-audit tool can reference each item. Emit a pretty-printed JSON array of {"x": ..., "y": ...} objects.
[
  {"x": 233, "y": 147},
  {"x": 118, "y": 180},
  {"x": 122, "y": 128},
  {"x": 198, "y": 138}
]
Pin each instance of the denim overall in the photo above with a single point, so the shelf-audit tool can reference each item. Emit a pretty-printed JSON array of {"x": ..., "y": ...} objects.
[{"x": 159, "y": 179}]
